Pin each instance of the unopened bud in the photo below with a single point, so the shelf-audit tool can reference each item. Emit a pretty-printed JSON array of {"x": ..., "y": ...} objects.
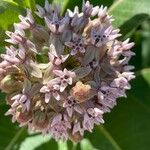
[
  {"x": 9, "y": 84},
  {"x": 81, "y": 92},
  {"x": 23, "y": 117}
]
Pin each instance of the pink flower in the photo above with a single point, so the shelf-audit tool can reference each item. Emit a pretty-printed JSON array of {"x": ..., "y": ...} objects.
[
  {"x": 77, "y": 128},
  {"x": 10, "y": 55},
  {"x": 51, "y": 89},
  {"x": 59, "y": 127},
  {"x": 70, "y": 104},
  {"x": 42, "y": 12},
  {"x": 65, "y": 78},
  {"x": 26, "y": 22},
  {"x": 103, "y": 15},
  {"x": 77, "y": 44},
  {"x": 54, "y": 58},
  {"x": 18, "y": 37},
  {"x": 22, "y": 100},
  {"x": 121, "y": 83},
  {"x": 91, "y": 117},
  {"x": 102, "y": 35},
  {"x": 57, "y": 25}
]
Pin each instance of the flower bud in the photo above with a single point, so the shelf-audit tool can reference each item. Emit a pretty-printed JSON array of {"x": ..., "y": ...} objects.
[
  {"x": 23, "y": 117},
  {"x": 9, "y": 84},
  {"x": 81, "y": 92}
]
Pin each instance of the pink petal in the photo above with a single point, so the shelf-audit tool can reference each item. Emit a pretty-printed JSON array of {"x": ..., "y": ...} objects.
[
  {"x": 70, "y": 111},
  {"x": 58, "y": 73},
  {"x": 62, "y": 87},
  {"x": 47, "y": 97}
]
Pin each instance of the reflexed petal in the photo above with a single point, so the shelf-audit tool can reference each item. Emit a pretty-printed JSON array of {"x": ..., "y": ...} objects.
[
  {"x": 56, "y": 95},
  {"x": 56, "y": 119},
  {"x": 76, "y": 128},
  {"x": 73, "y": 52},
  {"x": 58, "y": 72},
  {"x": 62, "y": 87},
  {"x": 47, "y": 97},
  {"x": 69, "y": 111},
  {"x": 78, "y": 109},
  {"x": 44, "y": 89}
]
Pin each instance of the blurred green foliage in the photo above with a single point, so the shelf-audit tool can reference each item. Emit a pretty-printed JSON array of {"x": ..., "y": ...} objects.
[{"x": 127, "y": 127}]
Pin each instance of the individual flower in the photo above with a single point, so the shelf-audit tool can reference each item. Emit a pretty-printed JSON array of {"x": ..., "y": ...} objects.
[
  {"x": 18, "y": 37},
  {"x": 93, "y": 116},
  {"x": 57, "y": 25},
  {"x": 77, "y": 44},
  {"x": 103, "y": 16},
  {"x": 102, "y": 35},
  {"x": 77, "y": 128},
  {"x": 121, "y": 83},
  {"x": 65, "y": 78},
  {"x": 23, "y": 100},
  {"x": 107, "y": 97},
  {"x": 54, "y": 58},
  {"x": 59, "y": 126},
  {"x": 47, "y": 11},
  {"x": 71, "y": 105},
  {"x": 10, "y": 55},
  {"x": 26, "y": 22},
  {"x": 51, "y": 89}
]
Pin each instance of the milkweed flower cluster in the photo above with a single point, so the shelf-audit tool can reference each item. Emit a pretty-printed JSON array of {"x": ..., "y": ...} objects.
[{"x": 61, "y": 77}]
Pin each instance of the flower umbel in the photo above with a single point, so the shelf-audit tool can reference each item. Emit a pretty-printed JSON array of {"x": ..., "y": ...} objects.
[{"x": 61, "y": 77}]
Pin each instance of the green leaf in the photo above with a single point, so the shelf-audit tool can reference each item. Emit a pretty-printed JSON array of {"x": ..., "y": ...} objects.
[
  {"x": 142, "y": 83},
  {"x": 136, "y": 61},
  {"x": 36, "y": 141},
  {"x": 101, "y": 139},
  {"x": 63, "y": 3},
  {"x": 129, "y": 27},
  {"x": 123, "y": 10},
  {"x": 146, "y": 44},
  {"x": 9, "y": 13},
  {"x": 42, "y": 2},
  {"x": 30, "y": 4},
  {"x": 2, "y": 98}
]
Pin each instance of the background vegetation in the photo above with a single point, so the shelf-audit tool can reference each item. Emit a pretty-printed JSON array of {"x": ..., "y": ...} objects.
[{"x": 127, "y": 127}]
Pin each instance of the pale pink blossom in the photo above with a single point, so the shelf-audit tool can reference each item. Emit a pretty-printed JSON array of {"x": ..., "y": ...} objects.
[
  {"x": 65, "y": 76},
  {"x": 51, "y": 89},
  {"x": 57, "y": 25},
  {"x": 26, "y": 22},
  {"x": 71, "y": 105},
  {"x": 102, "y": 35},
  {"x": 77, "y": 128},
  {"x": 55, "y": 58},
  {"x": 121, "y": 83},
  {"x": 22, "y": 100},
  {"x": 59, "y": 127},
  {"x": 77, "y": 44},
  {"x": 91, "y": 117}
]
